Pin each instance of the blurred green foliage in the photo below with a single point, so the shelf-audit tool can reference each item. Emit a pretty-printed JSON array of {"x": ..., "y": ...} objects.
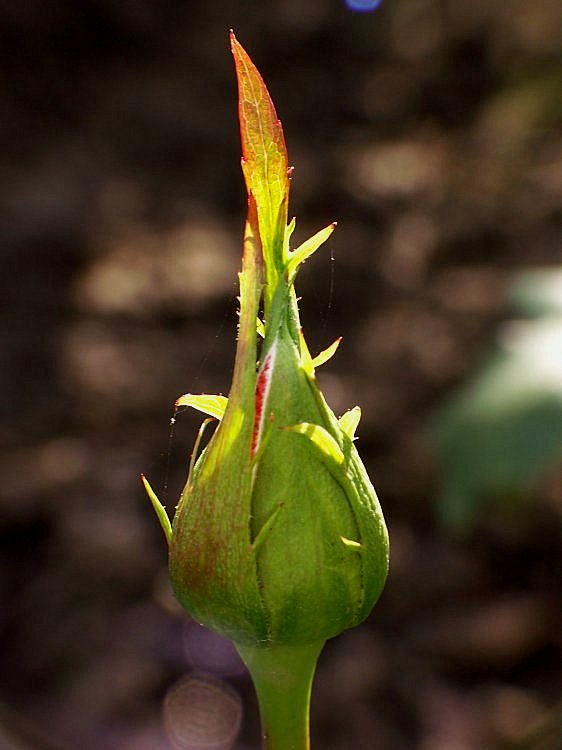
[{"x": 501, "y": 432}]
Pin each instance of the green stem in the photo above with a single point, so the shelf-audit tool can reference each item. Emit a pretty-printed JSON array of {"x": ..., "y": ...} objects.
[{"x": 282, "y": 677}]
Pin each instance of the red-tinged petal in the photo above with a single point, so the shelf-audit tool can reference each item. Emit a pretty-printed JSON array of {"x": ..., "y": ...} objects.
[{"x": 262, "y": 389}]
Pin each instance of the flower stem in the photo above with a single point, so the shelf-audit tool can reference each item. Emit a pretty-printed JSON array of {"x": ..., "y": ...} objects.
[{"x": 282, "y": 677}]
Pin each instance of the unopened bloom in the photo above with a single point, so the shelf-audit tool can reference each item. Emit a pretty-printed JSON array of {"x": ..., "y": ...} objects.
[{"x": 278, "y": 537}]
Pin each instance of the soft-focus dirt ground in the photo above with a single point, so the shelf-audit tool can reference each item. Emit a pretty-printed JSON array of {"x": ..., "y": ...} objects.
[{"x": 431, "y": 131}]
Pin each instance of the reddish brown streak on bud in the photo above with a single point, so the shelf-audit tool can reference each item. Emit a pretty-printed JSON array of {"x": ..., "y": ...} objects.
[{"x": 262, "y": 388}]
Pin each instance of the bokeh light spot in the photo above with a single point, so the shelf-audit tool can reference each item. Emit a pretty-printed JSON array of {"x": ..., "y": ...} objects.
[
  {"x": 363, "y": 6},
  {"x": 202, "y": 713}
]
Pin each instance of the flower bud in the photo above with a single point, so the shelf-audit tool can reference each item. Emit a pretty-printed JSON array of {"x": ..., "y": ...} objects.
[{"x": 278, "y": 537}]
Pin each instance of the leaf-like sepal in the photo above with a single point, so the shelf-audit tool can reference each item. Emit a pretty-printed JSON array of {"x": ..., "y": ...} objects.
[
  {"x": 214, "y": 406},
  {"x": 159, "y": 509},
  {"x": 349, "y": 421},
  {"x": 321, "y": 439},
  {"x": 264, "y": 163},
  {"x": 304, "y": 251},
  {"x": 288, "y": 234},
  {"x": 305, "y": 356},
  {"x": 326, "y": 354},
  {"x": 308, "y": 363},
  {"x": 351, "y": 544}
]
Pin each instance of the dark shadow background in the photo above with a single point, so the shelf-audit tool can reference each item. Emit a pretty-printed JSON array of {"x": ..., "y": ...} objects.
[{"x": 430, "y": 130}]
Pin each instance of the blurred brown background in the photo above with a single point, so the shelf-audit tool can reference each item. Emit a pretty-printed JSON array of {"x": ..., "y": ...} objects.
[{"x": 430, "y": 129}]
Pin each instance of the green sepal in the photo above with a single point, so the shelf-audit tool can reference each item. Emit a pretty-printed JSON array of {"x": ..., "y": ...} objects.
[
  {"x": 265, "y": 529},
  {"x": 290, "y": 228},
  {"x": 351, "y": 544},
  {"x": 326, "y": 354},
  {"x": 212, "y": 564},
  {"x": 159, "y": 509},
  {"x": 349, "y": 421},
  {"x": 308, "y": 363},
  {"x": 304, "y": 251},
  {"x": 195, "y": 452},
  {"x": 322, "y": 439},
  {"x": 214, "y": 406},
  {"x": 264, "y": 164}
]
